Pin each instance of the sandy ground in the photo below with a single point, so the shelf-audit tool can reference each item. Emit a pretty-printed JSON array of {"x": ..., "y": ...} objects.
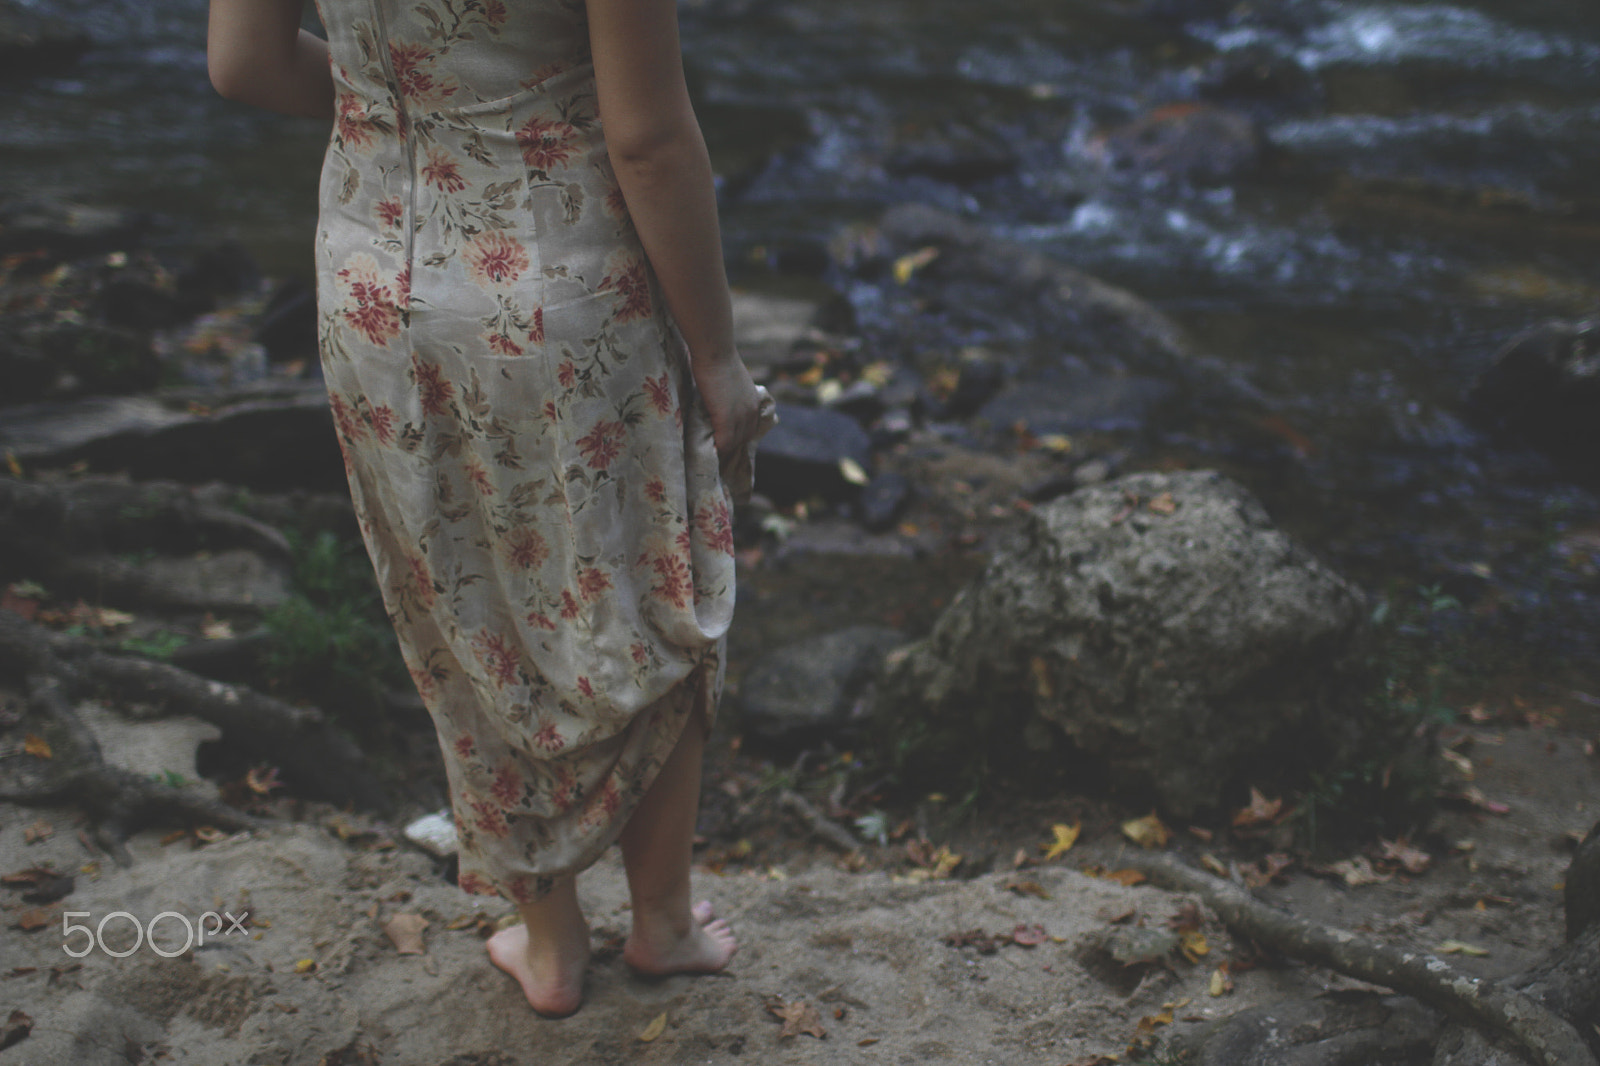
[{"x": 866, "y": 949}]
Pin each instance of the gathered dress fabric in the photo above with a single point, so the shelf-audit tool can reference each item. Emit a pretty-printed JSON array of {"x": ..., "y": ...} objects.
[{"x": 534, "y": 477}]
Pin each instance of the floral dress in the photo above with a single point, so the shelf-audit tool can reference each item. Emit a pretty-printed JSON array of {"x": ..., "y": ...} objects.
[{"x": 535, "y": 479}]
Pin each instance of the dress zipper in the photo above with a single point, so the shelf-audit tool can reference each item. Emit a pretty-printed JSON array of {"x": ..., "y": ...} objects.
[{"x": 402, "y": 129}]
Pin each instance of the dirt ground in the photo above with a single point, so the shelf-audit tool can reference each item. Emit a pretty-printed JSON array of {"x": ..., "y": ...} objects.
[{"x": 315, "y": 979}]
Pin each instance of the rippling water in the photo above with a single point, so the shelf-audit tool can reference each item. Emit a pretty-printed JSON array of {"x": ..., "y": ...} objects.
[{"x": 1428, "y": 189}]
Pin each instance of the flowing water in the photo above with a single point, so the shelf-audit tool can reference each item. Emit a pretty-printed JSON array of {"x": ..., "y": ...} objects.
[{"x": 1426, "y": 190}]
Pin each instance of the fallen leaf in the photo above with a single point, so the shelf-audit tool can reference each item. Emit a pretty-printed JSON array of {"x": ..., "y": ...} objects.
[
  {"x": 1193, "y": 944},
  {"x": 1027, "y": 888},
  {"x": 36, "y": 746},
  {"x": 209, "y": 834},
  {"x": 305, "y": 966},
  {"x": 40, "y": 830},
  {"x": 1096, "y": 1060},
  {"x": 1127, "y": 878},
  {"x": 37, "y": 918},
  {"x": 1261, "y": 811},
  {"x": 851, "y": 471},
  {"x": 1162, "y": 504},
  {"x": 1064, "y": 837},
  {"x": 1473, "y": 797},
  {"x": 1214, "y": 864},
  {"x": 1115, "y": 915},
  {"x": 262, "y": 779},
  {"x": 1144, "y": 1034},
  {"x": 18, "y": 1025},
  {"x": 867, "y": 1041},
  {"x": 908, "y": 265},
  {"x": 1147, "y": 832},
  {"x": 1358, "y": 871},
  {"x": 1201, "y": 832},
  {"x": 1187, "y": 919},
  {"x": 798, "y": 1017},
  {"x": 1457, "y": 947},
  {"x": 1263, "y": 873},
  {"x": 1462, "y": 764},
  {"x": 1410, "y": 859},
  {"x": 657, "y": 1026},
  {"x": 214, "y": 629},
  {"x": 971, "y": 938},
  {"x": 405, "y": 933},
  {"x": 1221, "y": 982}
]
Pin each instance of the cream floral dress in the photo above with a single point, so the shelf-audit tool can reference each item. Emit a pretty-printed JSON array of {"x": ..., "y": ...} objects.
[{"x": 534, "y": 477}]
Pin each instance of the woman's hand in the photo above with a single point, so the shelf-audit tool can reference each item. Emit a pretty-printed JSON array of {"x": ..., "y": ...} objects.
[{"x": 730, "y": 400}]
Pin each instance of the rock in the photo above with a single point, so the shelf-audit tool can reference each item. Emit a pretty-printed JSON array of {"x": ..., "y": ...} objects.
[
  {"x": 1581, "y": 891},
  {"x": 806, "y": 691},
  {"x": 978, "y": 379},
  {"x": 151, "y": 748},
  {"x": 1330, "y": 1030},
  {"x": 1071, "y": 400},
  {"x": 287, "y": 328},
  {"x": 435, "y": 834},
  {"x": 882, "y": 499},
  {"x": 212, "y": 581},
  {"x": 766, "y": 328},
  {"x": 958, "y": 153},
  {"x": 1257, "y": 75},
  {"x": 1544, "y": 388},
  {"x": 1162, "y": 625},
  {"x": 1195, "y": 142},
  {"x": 33, "y": 44},
  {"x": 801, "y": 456},
  {"x": 64, "y": 230},
  {"x": 270, "y": 439}
]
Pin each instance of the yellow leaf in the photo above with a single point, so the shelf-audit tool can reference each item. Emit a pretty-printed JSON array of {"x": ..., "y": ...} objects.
[
  {"x": 908, "y": 265},
  {"x": 12, "y": 464},
  {"x": 1456, "y": 947},
  {"x": 1147, "y": 832},
  {"x": 305, "y": 966},
  {"x": 1193, "y": 945},
  {"x": 654, "y": 1029},
  {"x": 1214, "y": 864},
  {"x": 852, "y": 472},
  {"x": 1126, "y": 878},
  {"x": 1221, "y": 984},
  {"x": 1065, "y": 837},
  {"x": 35, "y": 745}
]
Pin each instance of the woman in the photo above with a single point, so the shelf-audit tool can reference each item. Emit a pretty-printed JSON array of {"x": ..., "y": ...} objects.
[{"x": 527, "y": 338}]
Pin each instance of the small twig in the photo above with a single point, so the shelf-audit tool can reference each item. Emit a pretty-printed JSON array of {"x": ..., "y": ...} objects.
[
  {"x": 1549, "y": 1038},
  {"x": 830, "y": 832}
]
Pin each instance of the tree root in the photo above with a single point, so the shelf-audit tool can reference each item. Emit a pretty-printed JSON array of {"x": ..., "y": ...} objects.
[
  {"x": 1547, "y": 1037},
  {"x": 314, "y": 759},
  {"x": 821, "y": 826}
]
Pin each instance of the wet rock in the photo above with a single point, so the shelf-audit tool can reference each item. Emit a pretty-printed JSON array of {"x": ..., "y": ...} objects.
[
  {"x": 43, "y": 358},
  {"x": 767, "y": 328},
  {"x": 1581, "y": 891},
  {"x": 1161, "y": 625},
  {"x": 215, "y": 273},
  {"x": 882, "y": 499},
  {"x": 1330, "y": 1030},
  {"x": 1257, "y": 75},
  {"x": 1076, "y": 400},
  {"x": 978, "y": 379},
  {"x": 806, "y": 691},
  {"x": 958, "y": 153},
  {"x": 1544, "y": 388},
  {"x": 802, "y": 454},
  {"x": 64, "y": 230},
  {"x": 33, "y": 44},
  {"x": 274, "y": 439},
  {"x": 1194, "y": 142}
]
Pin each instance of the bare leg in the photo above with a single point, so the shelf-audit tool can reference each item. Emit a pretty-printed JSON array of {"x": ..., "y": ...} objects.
[
  {"x": 548, "y": 952},
  {"x": 669, "y": 936}
]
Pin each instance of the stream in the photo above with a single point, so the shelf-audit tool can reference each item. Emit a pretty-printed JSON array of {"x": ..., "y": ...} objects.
[{"x": 1421, "y": 188}]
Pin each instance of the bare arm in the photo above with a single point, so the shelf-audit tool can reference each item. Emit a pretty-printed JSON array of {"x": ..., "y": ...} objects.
[
  {"x": 660, "y": 159},
  {"x": 257, "y": 54}
]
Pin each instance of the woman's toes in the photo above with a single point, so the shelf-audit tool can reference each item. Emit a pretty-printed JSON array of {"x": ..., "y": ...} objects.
[{"x": 703, "y": 911}]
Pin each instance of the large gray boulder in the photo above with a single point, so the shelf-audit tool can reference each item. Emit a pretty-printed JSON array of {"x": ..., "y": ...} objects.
[
  {"x": 805, "y": 692},
  {"x": 1161, "y": 624}
]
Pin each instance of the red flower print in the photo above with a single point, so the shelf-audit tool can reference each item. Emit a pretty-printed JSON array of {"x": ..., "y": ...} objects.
[
  {"x": 549, "y": 738},
  {"x": 355, "y": 129},
  {"x": 546, "y": 144},
  {"x": 565, "y": 790},
  {"x": 569, "y": 605},
  {"x": 610, "y": 798},
  {"x": 526, "y": 548},
  {"x": 442, "y": 172},
  {"x": 525, "y": 889},
  {"x": 549, "y": 410},
  {"x": 402, "y": 285},
  {"x": 368, "y": 306},
  {"x": 424, "y": 682},
  {"x": 672, "y": 579},
  {"x": 349, "y": 426},
  {"x": 382, "y": 419},
  {"x": 584, "y": 686},
  {"x": 592, "y": 581},
  {"x": 601, "y": 444},
  {"x": 684, "y": 540},
  {"x": 630, "y": 283},
  {"x": 464, "y": 746},
  {"x": 507, "y": 786},
  {"x": 655, "y": 489},
  {"x": 615, "y": 204},
  {"x": 716, "y": 526},
  {"x": 494, "y": 12},
  {"x": 497, "y": 657},
  {"x": 640, "y": 652},
  {"x": 541, "y": 620},
  {"x": 536, "y": 330},
  {"x": 416, "y": 84},
  {"x": 421, "y": 579},
  {"x": 489, "y": 819},
  {"x": 544, "y": 73},
  {"x": 474, "y": 885},
  {"x": 389, "y": 211},
  {"x": 566, "y": 374},
  {"x": 660, "y": 391},
  {"x": 479, "y": 478},
  {"x": 500, "y": 344},
  {"x": 495, "y": 259},
  {"x": 436, "y": 391}
]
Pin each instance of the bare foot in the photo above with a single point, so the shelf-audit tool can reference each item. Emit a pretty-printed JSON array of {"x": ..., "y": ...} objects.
[
  {"x": 551, "y": 974},
  {"x": 705, "y": 947}
]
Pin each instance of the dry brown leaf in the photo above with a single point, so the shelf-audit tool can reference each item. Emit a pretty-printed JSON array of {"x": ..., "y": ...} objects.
[
  {"x": 40, "y": 830},
  {"x": 1126, "y": 878},
  {"x": 37, "y": 918},
  {"x": 657, "y": 1026},
  {"x": 1162, "y": 504},
  {"x": 405, "y": 933},
  {"x": 262, "y": 779},
  {"x": 1187, "y": 919},
  {"x": 1028, "y": 888},
  {"x": 35, "y": 745},
  {"x": 1147, "y": 832},
  {"x": 1096, "y": 1060},
  {"x": 1411, "y": 860},
  {"x": 1263, "y": 873},
  {"x": 798, "y": 1017},
  {"x": 1029, "y": 936},
  {"x": 1214, "y": 864},
  {"x": 18, "y": 1025},
  {"x": 1358, "y": 871},
  {"x": 1115, "y": 915},
  {"x": 1261, "y": 811}
]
